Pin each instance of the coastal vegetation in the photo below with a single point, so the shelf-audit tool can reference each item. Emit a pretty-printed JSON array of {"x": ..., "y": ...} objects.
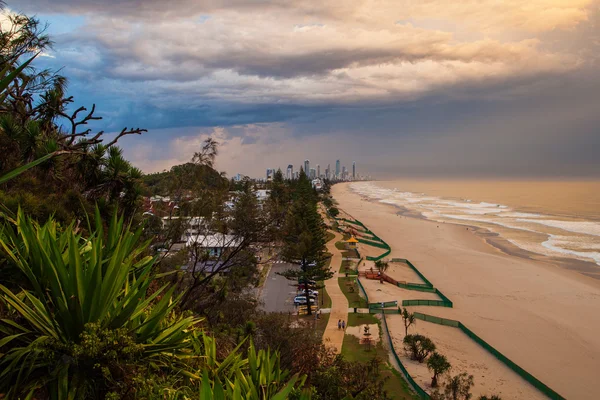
[
  {"x": 418, "y": 347},
  {"x": 304, "y": 238},
  {"x": 119, "y": 285}
]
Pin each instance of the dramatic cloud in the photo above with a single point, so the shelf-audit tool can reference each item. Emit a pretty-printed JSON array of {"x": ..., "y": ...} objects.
[{"x": 403, "y": 86}]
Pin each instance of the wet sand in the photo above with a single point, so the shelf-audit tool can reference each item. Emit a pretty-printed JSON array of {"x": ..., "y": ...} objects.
[{"x": 543, "y": 317}]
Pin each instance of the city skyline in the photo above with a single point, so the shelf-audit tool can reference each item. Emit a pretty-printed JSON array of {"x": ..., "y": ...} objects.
[
  {"x": 438, "y": 88},
  {"x": 341, "y": 173}
]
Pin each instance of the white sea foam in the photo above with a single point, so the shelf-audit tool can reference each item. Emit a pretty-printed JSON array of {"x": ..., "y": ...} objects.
[
  {"x": 581, "y": 244},
  {"x": 585, "y": 227},
  {"x": 553, "y": 245}
]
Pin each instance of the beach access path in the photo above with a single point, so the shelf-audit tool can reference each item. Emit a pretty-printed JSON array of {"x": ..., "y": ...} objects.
[{"x": 333, "y": 336}]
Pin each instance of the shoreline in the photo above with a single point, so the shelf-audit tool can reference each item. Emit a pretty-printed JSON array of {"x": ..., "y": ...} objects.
[
  {"x": 538, "y": 313},
  {"x": 586, "y": 269}
]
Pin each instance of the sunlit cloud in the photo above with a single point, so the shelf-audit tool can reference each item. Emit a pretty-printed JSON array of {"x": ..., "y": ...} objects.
[{"x": 287, "y": 69}]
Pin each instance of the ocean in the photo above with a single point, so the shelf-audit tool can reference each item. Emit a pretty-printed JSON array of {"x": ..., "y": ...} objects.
[{"x": 549, "y": 218}]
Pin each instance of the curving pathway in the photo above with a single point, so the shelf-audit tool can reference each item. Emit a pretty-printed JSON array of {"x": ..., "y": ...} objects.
[{"x": 332, "y": 336}]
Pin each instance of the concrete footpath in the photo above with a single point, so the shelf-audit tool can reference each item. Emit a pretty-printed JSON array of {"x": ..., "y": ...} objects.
[{"x": 333, "y": 336}]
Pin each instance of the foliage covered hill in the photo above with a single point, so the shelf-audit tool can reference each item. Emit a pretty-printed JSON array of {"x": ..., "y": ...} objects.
[{"x": 184, "y": 177}]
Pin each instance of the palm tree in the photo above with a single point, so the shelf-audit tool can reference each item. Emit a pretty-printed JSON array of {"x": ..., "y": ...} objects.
[
  {"x": 438, "y": 364},
  {"x": 381, "y": 265},
  {"x": 408, "y": 318}
]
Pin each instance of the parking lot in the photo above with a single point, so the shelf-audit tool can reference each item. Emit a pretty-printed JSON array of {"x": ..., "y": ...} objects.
[{"x": 278, "y": 293}]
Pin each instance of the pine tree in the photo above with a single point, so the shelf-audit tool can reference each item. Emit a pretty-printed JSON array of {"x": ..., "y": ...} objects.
[{"x": 304, "y": 238}]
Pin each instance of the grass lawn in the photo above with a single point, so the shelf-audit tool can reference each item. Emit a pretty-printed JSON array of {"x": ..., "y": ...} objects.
[
  {"x": 352, "y": 292},
  {"x": 340, "y": 245},
  {"x": 324, "y": 299},
  {"x": 319, "y": 325},
  {"x": 352, "y": 350},
  {"x": 361, "y": 319},
  {"x": 348, "y": 266},
  {"x": 329, "y": 236},
  {"x": 350, "y": 254},
  {"x": 396, "y": 385}
]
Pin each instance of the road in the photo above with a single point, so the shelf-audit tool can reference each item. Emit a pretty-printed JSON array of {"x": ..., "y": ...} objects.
[{"x": 278, "y": 294}]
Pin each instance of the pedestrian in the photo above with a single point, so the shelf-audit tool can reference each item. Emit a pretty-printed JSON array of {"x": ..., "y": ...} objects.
[
  {"x": 344, "y": 325},
  {"x": 339, "y": 324}
]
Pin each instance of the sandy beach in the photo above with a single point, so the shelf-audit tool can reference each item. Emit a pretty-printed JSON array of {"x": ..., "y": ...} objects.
[
  {"x": 489, "y": 374},
  {"x": 543, "y": 317}
]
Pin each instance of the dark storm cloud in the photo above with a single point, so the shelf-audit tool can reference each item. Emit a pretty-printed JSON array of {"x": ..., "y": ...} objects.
[
  {"x": 138, "y": 8},
  {"x": 296, "y": 80}
]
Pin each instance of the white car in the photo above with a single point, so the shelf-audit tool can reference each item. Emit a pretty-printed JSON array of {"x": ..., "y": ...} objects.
[
  {"x": 311, "y": 292},
  {"x": 298, "y": 300}
]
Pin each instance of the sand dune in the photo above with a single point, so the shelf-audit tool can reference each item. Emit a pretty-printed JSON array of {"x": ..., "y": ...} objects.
[{"x": 543, "y": 317}]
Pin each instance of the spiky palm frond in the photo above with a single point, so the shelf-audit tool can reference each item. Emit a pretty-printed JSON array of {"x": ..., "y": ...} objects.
[{"x": 78, "y": 284}]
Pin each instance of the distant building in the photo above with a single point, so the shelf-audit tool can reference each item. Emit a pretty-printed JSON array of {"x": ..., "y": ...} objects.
[
  {"x": 270, "y": 174},
  {"x": 343, "y": 177},
  {"x": 317, "y": 184},
  {"x": 262, "y": 195},
  {"x": 208, "y": 267},
  {"x": 313, "y": 173},
  {"x": 337, "y": 169},
  {"x": 214, "y": 245},
  {"x": 328, "y": 171},
  {"x": 306, "y": 167},
  {"x": 290, "y": 172},
  {"x": 318, "y": 171},
  {"x": 353, "y": 170}
]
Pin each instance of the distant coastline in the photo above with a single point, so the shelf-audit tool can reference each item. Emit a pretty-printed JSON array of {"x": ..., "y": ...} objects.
[
  {"x": 523, "y": 304},
  {"x": 528, "y": 239}
]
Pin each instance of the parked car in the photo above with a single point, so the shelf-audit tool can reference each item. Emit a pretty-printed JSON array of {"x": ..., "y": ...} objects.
[
  {"x": 311, "y": 292},
  {"x": 310, "y": 282},
  {"x": 301, "y": 300},
  {"x": 302, "y": 286}
]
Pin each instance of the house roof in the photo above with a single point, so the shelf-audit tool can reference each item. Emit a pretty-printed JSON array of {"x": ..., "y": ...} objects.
[
  {"x": 214, "y": 241},
  {"x": 352, "y": 240},
  {"x": 208, "y": 267}
]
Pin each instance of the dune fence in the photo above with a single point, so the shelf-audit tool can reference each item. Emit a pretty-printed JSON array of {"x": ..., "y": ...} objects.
[
  {"x": 501, "y": 357},
  {"x": 414, "y": 385}
]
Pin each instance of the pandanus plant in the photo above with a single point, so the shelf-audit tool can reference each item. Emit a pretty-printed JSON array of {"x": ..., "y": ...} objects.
[
  {"x": 85, "y": 314},
  {"x": 259, "y": 377}
]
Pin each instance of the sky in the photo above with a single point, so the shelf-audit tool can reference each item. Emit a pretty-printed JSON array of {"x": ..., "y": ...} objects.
[{"x": 475, "y": 88}]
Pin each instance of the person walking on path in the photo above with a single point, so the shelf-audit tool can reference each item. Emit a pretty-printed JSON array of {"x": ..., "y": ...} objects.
[
  {"x": 339, "y": 324},
  {"x": 344, "y": 325}
]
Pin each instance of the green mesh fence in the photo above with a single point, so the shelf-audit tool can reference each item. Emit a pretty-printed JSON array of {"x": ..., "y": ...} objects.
[
  {"x": 501, "y": 357},
  {"x": 422, "y": 394},
  {"x": 362, "y": 289},
  {"x": 384, "y": 310},
  {"x": 434, "y": 303},
  {"x": 416, "y": 286},
  {"x": 381, "y": 245},
  {"x": 369, "y": 258},
  {"x": 445, "y": 302},
  {"x": 444, "y": 298},
  {"x": 404, "y": 260},
  {"x": 384, "y": 304},
  {"x": 419, "y": 273}
]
